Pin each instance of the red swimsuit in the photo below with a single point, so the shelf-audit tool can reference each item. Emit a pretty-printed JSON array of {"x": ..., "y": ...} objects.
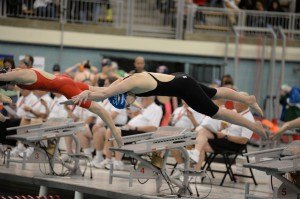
[{"x": 60, "y": 84}]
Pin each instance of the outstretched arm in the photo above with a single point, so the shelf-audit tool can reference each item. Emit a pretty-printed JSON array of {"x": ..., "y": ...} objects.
[
  {"x": 287, "y": 126},
  {"x": 114, "y": 89},
  {"x": 101, "y": 94},
  {"x": 19, "y": 76}
]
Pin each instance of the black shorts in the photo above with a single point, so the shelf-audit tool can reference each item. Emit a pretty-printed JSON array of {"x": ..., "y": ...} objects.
[
  {"x": 221, "y": 145},
  {"x": 130, "y": 132}
]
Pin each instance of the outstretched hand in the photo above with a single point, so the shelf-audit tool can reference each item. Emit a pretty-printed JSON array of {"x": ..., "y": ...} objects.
[{"x": 82, "y": 97}]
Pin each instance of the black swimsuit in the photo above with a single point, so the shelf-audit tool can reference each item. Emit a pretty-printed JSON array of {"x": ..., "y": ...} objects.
[{"x": 195, "y": 94}]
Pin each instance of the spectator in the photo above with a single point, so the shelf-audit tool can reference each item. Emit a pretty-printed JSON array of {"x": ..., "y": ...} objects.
[
  {"x": 84, "y": 74},
  {"x": 46, "y": 8},
  {"x": 199, "y": 15},
  {"x": 28, "y": 99},
  {"x": 139, "y": 65},
  {"x": 79, "y": 67},
  {"x": 146, "y": 121},
  {"x": 46, "y": 101},
  {"x": 56, "y": 69},
  {"x": 226, "y": 138},
  {"x": 56, "y": 109},
  {"x": 106, "y": 70},
  {"x": 259, "y": 6},
  {"x": 227, "y": 81},
  {"x": 38, "y": 112},
  {"x": 8, "y": 63},
  {"x": 290, "y": 101},
  {"x": 186, "y": 117},
  {"x": 117, "y": 71},
  {"x": 275, "y": 6}
]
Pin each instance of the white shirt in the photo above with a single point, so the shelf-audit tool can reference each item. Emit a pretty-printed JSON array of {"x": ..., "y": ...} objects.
[
  {"x": 47, "y": 99},
  {"x": 30, "y": 100},
  {"x": 241, "y": 131},
  {"x": 121, "y": 117},
  {"x": 82, "y": 114},
  {"x": 180, "y": 119},
  {"x": 150, "y": 116},
  {"x": 57, "y": 110}
]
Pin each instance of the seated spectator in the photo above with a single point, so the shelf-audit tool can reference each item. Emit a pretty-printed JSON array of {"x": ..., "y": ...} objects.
[
  {"x": 147, "y": 120},
  {"x": 46, "y": 100},
  {"x": 31, "y": 110},
  {"x": 227, "y": 138},
  {"x": 56, "y": 109},
  {"x": 186, "y": 117}
]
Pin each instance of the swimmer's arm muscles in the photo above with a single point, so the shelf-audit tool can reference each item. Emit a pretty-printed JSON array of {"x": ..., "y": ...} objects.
[
  {"x": 121, "y": 87},
  {"x": 12, "y": 76},
  {"x": 99, "y": 89}
]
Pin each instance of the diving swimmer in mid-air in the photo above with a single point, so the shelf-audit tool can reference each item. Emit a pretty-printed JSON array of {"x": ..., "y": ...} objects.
[
  {"x": 198, "y": 96},
  {"x": 33, "y": 79}
]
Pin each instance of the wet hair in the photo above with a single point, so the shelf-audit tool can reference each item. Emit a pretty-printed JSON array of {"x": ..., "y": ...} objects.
[{"x": 9, "y": 60}]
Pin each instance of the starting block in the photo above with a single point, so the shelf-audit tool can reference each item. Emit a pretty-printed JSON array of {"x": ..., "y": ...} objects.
[
  {"x": 277, "y": 162},
  {"x": 164, "y": 139},
  {"x": 52, "y": 131}
]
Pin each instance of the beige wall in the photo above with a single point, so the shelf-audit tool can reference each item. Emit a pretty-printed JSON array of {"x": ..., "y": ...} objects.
[{"x": 101, "y": 41}]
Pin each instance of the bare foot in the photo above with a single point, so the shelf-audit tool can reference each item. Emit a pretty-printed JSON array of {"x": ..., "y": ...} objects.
[
  {"x": 2, "y": 118},
  {"x": 253, "y": 104},
  {"x": 259, "y": 129},
  {"x": 280, "y": 131},
  {"x": 5, "y": 99}
]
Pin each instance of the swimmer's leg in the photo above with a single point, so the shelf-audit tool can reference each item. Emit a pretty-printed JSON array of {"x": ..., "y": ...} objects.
[
  {"x": 287, "y": 126},
  {"x": 235, "y": 118},
  {"x": 101, "y": 112},
  {"x": 227, "y": 93}
]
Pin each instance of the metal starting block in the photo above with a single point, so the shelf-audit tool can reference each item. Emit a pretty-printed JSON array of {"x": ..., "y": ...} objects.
[
  {"x": 277, "y": 162},
  {"x": 51, "y": 131},
  {"x": 164, "y": 139}
]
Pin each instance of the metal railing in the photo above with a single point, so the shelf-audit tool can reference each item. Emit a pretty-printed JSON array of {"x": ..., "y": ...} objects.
[
  {"x": 219, "y": 20},
  {"x": 31, "y": 9},
  {"x": 165, "y": 18},
  {"x": 105, "y": 12},
  {"x": 95, "y": 11}
]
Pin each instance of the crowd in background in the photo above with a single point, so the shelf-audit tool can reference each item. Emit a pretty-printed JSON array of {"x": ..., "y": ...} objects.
[
  {"x": 97, "y": 11},
  {"x": 146, "y": 115}
]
